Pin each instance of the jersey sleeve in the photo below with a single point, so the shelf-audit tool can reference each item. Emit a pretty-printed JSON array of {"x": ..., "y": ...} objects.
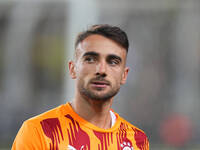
[
  {"x": 146, "y": 144},
  {"x": 142, "y": 140},
  {"x": 27, "y": 138}
]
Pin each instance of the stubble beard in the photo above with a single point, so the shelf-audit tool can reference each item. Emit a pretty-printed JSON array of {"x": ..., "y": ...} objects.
[{"x": 96, "y": 95}]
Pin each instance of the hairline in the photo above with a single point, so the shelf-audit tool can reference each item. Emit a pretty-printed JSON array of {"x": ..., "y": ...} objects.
[
  {"x": 77, "y": 49},
  {"x": 102, "y": 36}
]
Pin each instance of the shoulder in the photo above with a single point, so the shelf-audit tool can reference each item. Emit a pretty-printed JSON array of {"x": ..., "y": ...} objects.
[
  {"x": 128, "y": 124},
  {"x": 31, "y": 133},
  {"x": 139, "y": 135},
  {"x": 50, "y": 114}
]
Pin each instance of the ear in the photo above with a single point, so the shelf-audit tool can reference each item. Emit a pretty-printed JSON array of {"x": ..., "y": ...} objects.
[
  {"x": 124, "y": 75},
  {"x": 72, "y": 69}
]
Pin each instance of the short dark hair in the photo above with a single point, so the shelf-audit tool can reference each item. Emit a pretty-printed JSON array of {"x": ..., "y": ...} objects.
[{"x": 112, "y": 32}]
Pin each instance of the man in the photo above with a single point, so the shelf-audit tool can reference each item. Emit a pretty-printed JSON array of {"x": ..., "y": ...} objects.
[{"x": 87, "y": 122}]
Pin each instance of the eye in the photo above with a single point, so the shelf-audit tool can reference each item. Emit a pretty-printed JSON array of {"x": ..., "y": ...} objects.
[
  {"x": 90, "y": 59},
  {"x": 114, "y": 62}
]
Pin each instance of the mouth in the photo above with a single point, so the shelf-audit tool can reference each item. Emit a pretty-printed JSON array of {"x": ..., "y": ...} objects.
[{"x": 100, "y": 84}]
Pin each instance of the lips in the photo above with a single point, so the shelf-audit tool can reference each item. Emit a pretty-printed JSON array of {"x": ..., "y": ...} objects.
[{"x": 100, "y": 84}]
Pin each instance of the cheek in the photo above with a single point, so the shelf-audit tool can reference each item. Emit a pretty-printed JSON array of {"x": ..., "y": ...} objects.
[
  {"x": 118, "y": 77},
  {"x": 81, "y": 70},
  {"x": 84, "y": 73}
]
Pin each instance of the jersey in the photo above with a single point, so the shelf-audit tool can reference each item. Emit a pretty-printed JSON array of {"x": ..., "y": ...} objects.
[{"x": 62, "y": 129}]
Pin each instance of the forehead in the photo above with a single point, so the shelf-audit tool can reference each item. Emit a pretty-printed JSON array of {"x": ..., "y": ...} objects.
[{"x": 100, "y": 45}]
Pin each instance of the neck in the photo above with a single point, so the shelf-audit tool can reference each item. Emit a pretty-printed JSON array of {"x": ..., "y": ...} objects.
[{"x": 95, "y": 112}]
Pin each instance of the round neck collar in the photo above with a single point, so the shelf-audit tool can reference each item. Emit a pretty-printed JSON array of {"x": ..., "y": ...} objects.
[{"x": 115, "y": 119}]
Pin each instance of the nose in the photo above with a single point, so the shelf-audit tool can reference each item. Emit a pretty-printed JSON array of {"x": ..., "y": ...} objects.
[{"x": 101, "y": 68}]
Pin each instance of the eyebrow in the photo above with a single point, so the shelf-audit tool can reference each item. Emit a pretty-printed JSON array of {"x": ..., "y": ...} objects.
[
  {"x": 110, "y": 56},
  {"x": 90, "y": 54}
]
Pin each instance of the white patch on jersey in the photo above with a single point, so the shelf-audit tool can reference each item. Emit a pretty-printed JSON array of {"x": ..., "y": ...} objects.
[
  {"x": 72, "y": 148},
  {"x": 126, "y": 146}
]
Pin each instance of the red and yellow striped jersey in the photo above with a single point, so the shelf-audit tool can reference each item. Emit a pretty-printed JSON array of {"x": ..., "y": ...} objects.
[{"x": 62, "y": 129}]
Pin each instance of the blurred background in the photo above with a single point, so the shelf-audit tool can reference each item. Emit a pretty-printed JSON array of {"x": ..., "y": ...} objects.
[{"x": 162, "y": 95}]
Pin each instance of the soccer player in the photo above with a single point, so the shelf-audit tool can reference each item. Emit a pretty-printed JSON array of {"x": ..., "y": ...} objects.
[{"x": 88, "y": 122}]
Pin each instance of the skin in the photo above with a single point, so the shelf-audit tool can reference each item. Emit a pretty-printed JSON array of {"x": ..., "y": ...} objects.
[{"x": 99, "y": 70}]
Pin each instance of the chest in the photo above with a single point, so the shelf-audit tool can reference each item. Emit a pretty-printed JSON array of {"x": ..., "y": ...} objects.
[{"x": 72, "y": 135}]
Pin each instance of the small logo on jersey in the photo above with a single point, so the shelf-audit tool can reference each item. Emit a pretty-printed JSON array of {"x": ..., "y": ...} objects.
[
  {"x": 72, "y": 148},
  {"x": 126, "y": 146}
]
